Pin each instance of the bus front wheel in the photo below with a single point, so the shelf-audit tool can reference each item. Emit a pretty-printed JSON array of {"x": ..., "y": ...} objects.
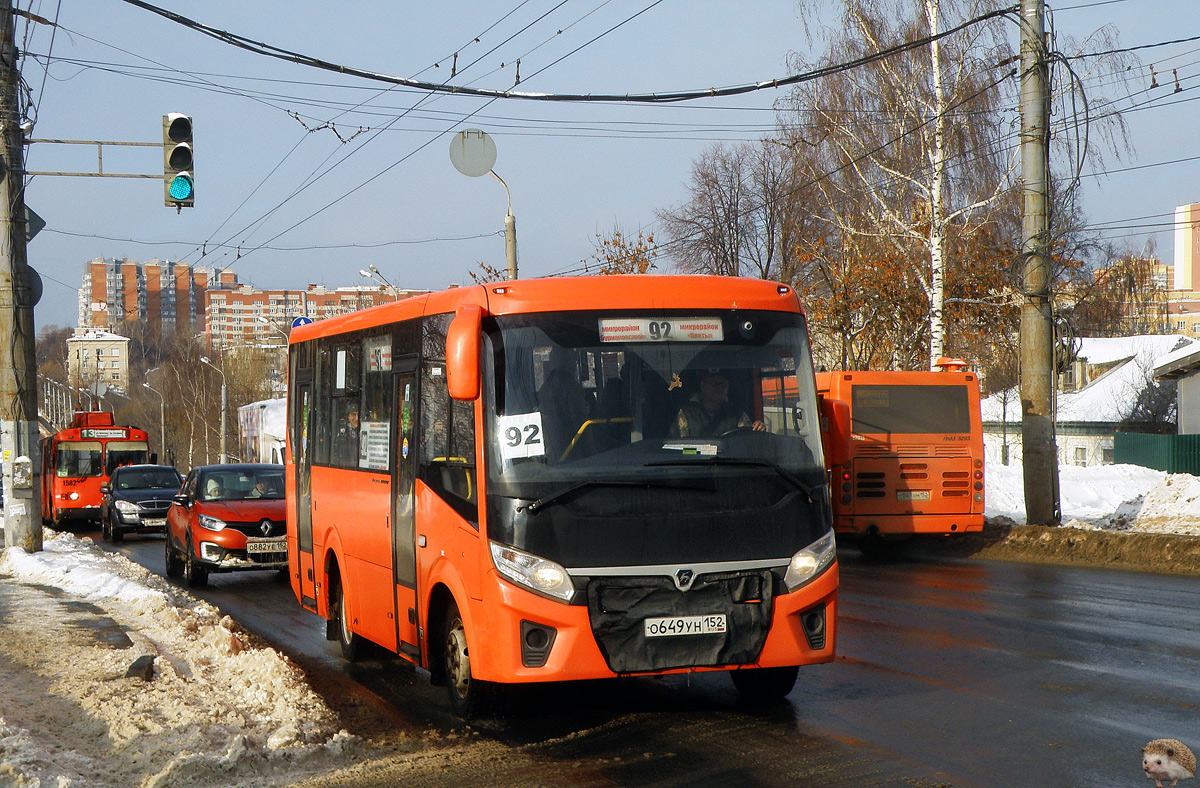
[
  {"x": 468, "y": 695},
  {"x": 352, "y": 644},
  {"x": 763, "y": 685}
]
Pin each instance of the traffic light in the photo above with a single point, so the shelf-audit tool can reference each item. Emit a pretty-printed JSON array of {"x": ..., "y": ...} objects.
[{"x": 179, "y": 187}]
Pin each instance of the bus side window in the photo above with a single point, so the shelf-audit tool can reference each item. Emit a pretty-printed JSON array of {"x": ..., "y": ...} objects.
[{"x": 447, "y": 430}]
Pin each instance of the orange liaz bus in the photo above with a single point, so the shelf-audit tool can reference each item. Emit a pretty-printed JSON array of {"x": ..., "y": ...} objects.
[
  {"x": 510, "y": 483},
  {"x": 906, "y": 458},
  {"x": 78, "y": 461}
]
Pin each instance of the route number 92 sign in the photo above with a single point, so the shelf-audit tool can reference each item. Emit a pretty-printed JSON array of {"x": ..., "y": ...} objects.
[
  {"x": 521, "y": 436},
  {"x": 666, "y": 329}
]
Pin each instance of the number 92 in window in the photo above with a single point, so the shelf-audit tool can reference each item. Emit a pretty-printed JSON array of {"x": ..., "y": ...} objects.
[
  {"x": 521, "y": 436},
  {"x": 666, "y": 329}
]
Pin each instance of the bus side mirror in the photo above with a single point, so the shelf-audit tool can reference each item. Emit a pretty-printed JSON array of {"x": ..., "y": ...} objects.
[
  {"x": 463, "y": 342},
  {"x": 835, "y": 431}
]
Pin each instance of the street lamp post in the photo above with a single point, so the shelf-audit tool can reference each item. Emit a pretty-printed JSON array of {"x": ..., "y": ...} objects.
[
  {"x": 224, "y": 405},
  {"x": 473, "y": 153},
  {"x": 162, "y": 418},
  {"x": 371, "y": 272}
]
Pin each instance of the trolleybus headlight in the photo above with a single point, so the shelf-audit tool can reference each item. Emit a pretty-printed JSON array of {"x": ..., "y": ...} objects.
[
  {"x": 211, "y": 523},
  {"x": 532, "y": 572},
  {"x": 125, "y": 507},
  {"x": 810, "y": 562},
  {"x": 74, "y": 496}
]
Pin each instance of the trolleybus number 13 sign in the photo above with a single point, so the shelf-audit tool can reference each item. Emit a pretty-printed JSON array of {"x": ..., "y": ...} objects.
[{"x": 667, "y": 329}]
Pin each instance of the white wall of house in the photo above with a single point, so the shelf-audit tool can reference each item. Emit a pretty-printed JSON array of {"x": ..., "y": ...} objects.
[
  {"x": 1082, "y": 450},
  {"x": 1189, "y": 404}
]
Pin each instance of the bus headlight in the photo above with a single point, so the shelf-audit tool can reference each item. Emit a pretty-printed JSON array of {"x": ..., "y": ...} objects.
[
  {"x": 74, "y": 496},
  {"x": 810, "y": 562},
  {"x": 211, "y": 523},
  {"x": 536, "y": 574}
]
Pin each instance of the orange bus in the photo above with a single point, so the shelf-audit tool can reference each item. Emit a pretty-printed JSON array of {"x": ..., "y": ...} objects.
[
  {"x": 522, "y": 482},
  {"x": 907, "y": 457},
  {"x": 78, "y": 461}
]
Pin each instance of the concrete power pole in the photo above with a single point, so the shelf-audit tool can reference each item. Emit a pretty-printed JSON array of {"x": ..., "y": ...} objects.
[
  {"x": 1037, "y": 313},
  {"x": 18, "y": 366}
]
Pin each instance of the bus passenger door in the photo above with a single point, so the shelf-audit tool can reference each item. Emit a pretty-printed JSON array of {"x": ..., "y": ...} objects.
[
  {"x": 302, "y": 454},
  {"x": 404, "y": 560}
]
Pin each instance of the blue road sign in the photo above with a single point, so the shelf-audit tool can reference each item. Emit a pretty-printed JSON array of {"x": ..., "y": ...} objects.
[{"x": 301, "y": 321}]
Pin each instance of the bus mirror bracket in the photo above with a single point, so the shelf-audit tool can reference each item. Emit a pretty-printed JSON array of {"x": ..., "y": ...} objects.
[
  {"x": 835, "y": 431},
  {"x": 463, "y": 342}
]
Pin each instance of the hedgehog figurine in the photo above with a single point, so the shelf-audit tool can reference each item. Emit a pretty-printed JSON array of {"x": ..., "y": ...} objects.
[{"x": 1168, "y": 759}]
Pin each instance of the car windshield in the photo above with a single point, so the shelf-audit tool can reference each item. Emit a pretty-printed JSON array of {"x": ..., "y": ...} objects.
[
  {"x": 670, "y": 418},
  {"x": 146, "y": 479},
  {"x": 242, "y": 484}
]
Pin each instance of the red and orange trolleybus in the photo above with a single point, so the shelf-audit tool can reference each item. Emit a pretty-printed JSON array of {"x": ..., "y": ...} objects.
[
  {"x": 493, "y": 482},
  {"x": 78, "y": 460},
  {"x": 906, "y": 453}
]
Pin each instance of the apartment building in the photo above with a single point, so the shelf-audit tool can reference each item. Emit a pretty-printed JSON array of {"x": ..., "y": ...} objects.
[
  {"x": 168, "y": 296},
  {"x": 95, "y": 356},
  {"x": 248, "y": 316}
]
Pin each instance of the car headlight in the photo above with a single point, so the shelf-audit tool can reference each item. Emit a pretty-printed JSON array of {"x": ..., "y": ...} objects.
[
  {"x": 125, "y": 507},
  {"x": 536, "y": 574},
  {"x": 211, "y": 523},
  {"x": 810, "y": 562}
]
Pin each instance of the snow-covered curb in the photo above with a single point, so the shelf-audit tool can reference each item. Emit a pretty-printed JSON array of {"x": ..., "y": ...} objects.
[{"x": 218, "y": 711}]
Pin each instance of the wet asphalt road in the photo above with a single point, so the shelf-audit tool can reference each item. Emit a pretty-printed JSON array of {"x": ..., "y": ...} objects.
[{"x": 964, "y": 673}]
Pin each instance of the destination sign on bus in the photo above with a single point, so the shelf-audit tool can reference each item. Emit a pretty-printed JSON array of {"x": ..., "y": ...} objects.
[
  {"x": 668, "y": 329},
  {"x": 97, "y": 433}
]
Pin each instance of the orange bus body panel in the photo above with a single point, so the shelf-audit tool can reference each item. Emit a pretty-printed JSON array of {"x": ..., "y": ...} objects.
[
  {"x": 454, "y": 555},
  {"x": 906, "y": 484}
]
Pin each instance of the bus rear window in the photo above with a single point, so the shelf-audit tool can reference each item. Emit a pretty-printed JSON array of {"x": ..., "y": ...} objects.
[
  {"x": 910, "y": 409},
  {"x": 77, "y": 458}
]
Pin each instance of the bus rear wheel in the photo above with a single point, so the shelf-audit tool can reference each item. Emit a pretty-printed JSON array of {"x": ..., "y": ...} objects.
[
  {"x": 469, "y": 696},
  {"x": 763, "y": 685}
]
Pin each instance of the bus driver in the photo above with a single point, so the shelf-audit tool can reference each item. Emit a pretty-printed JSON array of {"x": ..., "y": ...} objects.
[{"x": 709, "y": 413}]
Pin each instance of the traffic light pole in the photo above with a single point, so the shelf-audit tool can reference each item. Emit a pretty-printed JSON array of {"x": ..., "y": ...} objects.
[{"x": 18, "y": 367}]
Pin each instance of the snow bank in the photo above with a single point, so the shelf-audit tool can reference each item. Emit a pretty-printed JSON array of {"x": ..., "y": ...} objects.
[{"x": 219, "y": 710}]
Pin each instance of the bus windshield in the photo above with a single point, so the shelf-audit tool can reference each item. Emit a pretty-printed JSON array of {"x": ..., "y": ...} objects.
[
  {"x": 619, "y": 439},
  {"x": 78, "y": 458},
  {"x": 118, "y": 453}
]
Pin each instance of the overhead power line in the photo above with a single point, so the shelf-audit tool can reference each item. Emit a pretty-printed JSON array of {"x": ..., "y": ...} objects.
[{"x": 269, "y": 50}]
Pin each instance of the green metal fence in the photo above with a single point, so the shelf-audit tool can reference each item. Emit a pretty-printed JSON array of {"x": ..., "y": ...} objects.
[{"x": 1170, "y": 453}]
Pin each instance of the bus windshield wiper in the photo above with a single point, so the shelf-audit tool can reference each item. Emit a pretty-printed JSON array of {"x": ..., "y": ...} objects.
[
  {"x": 810, "y": 492},
  {"x": 533, "y": 506}
]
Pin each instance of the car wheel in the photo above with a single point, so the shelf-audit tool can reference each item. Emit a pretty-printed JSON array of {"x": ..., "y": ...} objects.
[
  {"x": 764, "y": 685},
  {"x": 174, "y": 562},
  {"x": 196, "y": 573},
  {"x": 114, "y": 530},
  {"x": 468, "y": 695},
  {"x": 352, "y": 645},
  {"x": 105, "y": 530}
]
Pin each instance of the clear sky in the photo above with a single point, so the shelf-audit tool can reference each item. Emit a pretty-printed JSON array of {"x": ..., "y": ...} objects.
[{"x": 305, "y": 176}]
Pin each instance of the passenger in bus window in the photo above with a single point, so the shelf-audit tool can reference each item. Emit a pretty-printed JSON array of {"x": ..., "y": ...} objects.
[
  {"x": 708, "y": 413},
  {"x": 345, "y": 443},
  {"x": 565, "y": 405}
]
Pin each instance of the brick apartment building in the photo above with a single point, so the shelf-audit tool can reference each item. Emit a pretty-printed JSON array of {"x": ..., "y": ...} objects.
[{"x": 169, "y": 296}]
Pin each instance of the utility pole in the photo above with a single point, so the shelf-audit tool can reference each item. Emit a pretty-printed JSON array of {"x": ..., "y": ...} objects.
[
  {"x": 18, "y": 366},
  {"x": 1038, "y": 445}
]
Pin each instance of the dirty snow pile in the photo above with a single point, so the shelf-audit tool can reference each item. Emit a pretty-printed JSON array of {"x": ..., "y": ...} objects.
[
  {"x": 216, "y": 709},
  {"x": 1112, "y": 497}
]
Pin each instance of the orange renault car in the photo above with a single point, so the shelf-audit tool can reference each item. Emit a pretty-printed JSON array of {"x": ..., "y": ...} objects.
[{"x": 227, "y": 518}]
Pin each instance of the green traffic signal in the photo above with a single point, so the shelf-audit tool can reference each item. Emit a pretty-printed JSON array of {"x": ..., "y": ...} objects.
[{"x": 179, "y": 185}]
